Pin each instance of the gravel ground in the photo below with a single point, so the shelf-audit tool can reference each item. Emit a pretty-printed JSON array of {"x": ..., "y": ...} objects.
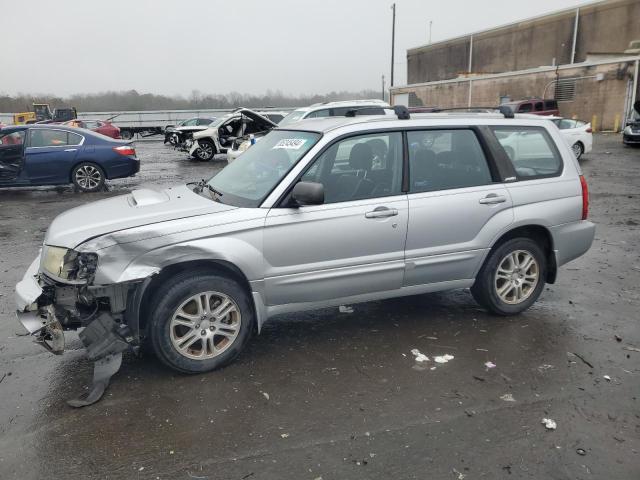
[{"x": 336, "y": 395}]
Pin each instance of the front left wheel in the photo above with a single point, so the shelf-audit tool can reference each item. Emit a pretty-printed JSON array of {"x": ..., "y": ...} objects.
[
  {"x": 88, "y": 177},
  {"x": 201, "y": 322}
]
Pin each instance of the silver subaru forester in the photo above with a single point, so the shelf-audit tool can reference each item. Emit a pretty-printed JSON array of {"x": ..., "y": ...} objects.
[{"x": 322, "y": 213}]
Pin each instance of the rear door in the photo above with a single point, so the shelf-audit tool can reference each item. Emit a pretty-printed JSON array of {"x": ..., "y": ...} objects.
[
  {"x": 11, "y": 155},
  {"x": 50, "y": 155},
  {"x": 457, "y": 205}
]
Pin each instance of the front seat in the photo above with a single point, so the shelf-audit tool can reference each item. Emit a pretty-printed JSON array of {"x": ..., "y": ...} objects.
[{"x": 356, "y": 185}]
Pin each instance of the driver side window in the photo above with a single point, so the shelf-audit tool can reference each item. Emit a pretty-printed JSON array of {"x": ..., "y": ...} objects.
[{"x": 361, "y": 167}]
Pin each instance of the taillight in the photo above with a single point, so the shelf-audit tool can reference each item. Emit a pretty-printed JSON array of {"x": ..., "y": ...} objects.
[
  {"x": 585, "y": 197},
  {"x": 125, "y": 150},
  {"x": 588, "y": 130}
]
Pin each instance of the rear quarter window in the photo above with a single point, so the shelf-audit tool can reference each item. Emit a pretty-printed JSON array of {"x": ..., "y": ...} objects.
[{"x": 531, "y": 150}]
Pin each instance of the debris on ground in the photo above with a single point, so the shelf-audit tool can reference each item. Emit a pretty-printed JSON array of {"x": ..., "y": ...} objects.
[
  {"x": 266, "y": 395},
  {"x": 480, "y": 379},
  {"x": 607, "y": 378},
  {"x": 284, "y": 435},
  {"x": 490, "y": 365},
  {"x": 420, "y": 357},
  {"x": 460, "y": 475},
  {"x": 581, "y": 358},
  {"x": 631, "y": 349},
  {"x": 618, "y": 338},
  {"x": 549, "y": 423},
  {"x": 345, "y": 309},
  {"x": 507, "y": 397},
  {"x": 581, "y": 451},
  {"x": 443, "y": 358}
]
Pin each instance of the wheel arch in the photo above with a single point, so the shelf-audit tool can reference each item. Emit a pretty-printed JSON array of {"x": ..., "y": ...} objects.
[
  {"x": 540, "y": 234},
  {"x": 140, "y": 304}
]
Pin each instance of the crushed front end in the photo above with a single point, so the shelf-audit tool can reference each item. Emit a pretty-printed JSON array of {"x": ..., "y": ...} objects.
[{"x": 56, "y": 294}]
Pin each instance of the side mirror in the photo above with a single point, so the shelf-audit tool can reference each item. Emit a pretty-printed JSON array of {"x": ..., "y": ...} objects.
[{"x": 308, "y": 193}]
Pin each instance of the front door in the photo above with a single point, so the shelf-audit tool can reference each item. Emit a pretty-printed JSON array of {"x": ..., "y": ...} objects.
[
  {"x": 50, "y": 155},
  {"x": 456, "y": 206},
  {"x": 353, "y": 244},
  {"x": 11, "y": 155}
]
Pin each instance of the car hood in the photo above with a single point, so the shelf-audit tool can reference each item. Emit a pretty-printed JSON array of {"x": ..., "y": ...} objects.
[{"x": 140, "y": 207}]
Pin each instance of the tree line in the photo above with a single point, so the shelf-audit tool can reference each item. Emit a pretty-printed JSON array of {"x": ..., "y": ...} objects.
[{"x": 132, "y": 100}]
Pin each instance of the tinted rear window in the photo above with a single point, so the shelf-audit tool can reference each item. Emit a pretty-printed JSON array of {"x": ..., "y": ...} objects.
[{"x": 531, "y": 150}]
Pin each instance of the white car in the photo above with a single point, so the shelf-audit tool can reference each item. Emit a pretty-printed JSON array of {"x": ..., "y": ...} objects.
[
  {"x": 336, "y": 109},
  {"x": 577, "y": 134},
  {"x": 318, "y": 110},
  {"x": 219, "y": 136}
]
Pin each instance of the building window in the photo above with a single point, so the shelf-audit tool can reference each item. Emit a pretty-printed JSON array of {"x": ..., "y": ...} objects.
[{"x": 565, "y": 90}]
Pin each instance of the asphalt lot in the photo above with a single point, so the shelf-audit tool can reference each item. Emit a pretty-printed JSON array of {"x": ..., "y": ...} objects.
[{"x": 337, "y": 395}]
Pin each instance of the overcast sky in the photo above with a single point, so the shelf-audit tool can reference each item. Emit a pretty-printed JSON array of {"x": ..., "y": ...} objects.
[{"x": 249, "y": 46}]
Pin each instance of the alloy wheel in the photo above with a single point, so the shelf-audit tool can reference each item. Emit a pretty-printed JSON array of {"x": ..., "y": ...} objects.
[
  {"x": 205, "y": 325},
  {"x": 517, "y": 276},
  {"x": 88, "y": 177},
  {"x": 205, "y": 152}
]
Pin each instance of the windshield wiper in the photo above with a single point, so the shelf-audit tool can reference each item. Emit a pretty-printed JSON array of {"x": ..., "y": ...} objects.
[{"x": 201, "y": 185}]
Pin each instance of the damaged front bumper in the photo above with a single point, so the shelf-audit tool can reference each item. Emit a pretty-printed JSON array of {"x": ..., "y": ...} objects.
[{"x": 46, "y": 308}]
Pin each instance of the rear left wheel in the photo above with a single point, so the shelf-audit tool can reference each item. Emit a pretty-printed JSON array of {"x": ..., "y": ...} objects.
[
  {"x": 88, "y": 177},
  {"x": 512, "y": 277}
]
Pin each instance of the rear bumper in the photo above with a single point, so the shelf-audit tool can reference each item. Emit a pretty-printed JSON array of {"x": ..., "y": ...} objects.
[{"x": 572, "y": 240}]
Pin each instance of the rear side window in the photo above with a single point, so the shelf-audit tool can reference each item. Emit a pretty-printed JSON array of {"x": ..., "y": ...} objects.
[
  {"x": 539, "y": 107},
  {"x": 53, "y": 138},
  {"x": 446, "y": 159},
  {"x": 319, "y": 114},
  {"x": 550, "y": 105},
  {"x": 524, "y": 108},
  {"x": 531, "y": 150},
  {"x": 47, "y": 138}
]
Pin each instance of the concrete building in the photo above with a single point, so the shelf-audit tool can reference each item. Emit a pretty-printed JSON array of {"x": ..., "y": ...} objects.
[{"x": 587, "y": 58}]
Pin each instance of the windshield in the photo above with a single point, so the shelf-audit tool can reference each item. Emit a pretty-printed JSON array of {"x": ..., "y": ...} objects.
[
  {"x": 294, "y": 116},
  {"x": 250, "y": 178}
]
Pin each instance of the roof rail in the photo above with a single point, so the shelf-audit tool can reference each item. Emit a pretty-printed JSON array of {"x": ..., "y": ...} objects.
[
  {"x": 402, "y": 112},
  {"x": 503, "y": 109}
]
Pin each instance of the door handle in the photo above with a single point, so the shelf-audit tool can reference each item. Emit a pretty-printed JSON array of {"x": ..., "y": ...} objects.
[
  {"x": 381, "y": 212},
  {"x": 70, "y": 149},
  {"x": 492, "y": 199}
]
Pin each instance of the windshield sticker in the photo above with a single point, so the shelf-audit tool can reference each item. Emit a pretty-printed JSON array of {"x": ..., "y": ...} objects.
[{"x": 290, "y": 144}]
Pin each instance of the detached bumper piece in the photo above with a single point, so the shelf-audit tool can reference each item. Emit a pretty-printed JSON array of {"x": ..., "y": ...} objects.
[{"x": 104, "y": 340}]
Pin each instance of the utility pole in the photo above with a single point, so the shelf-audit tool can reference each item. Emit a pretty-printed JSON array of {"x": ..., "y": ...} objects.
[
  {"x": 383, "y": 87},
  {"x": 393, "y": 41},
  {"x": 430, "y": 25}
]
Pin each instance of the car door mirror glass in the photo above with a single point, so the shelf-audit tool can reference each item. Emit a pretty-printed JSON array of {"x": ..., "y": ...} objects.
[{"x": 308, "y": 193}]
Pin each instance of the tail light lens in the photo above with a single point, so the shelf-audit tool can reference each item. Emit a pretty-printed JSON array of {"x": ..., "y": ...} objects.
[
  {"x": 588, "y": 130},
  {"x": 585, "y": 197},
  {"x": 125, "y": 150}
]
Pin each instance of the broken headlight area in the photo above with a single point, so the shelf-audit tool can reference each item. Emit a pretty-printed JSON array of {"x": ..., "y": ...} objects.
[{"x": 68, "y": 265}]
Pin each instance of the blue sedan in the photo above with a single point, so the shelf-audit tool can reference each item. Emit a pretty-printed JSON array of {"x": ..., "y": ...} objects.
[{"x": 58, "y": 155}]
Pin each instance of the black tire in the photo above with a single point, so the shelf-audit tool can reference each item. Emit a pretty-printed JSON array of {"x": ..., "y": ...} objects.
[
  {"x": 172, "y": 295},
  {"x": 577, "y": 149},
  {"x": 88, "y": 177},
  {"x": 484, "y": 290},
  {"x": 126, "y": 134},
  {"x": 206, "y": 151}
]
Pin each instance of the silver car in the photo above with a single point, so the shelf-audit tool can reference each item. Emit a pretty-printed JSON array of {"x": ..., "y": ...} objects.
[{"x": 324, "y": 213}]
